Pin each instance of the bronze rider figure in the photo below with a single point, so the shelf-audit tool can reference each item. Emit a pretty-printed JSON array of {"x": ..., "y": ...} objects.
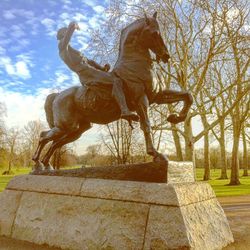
[{"x": 90, "y": 72}]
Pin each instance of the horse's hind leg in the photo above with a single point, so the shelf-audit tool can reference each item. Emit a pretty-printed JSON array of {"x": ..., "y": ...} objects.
[
  {"x": 40, "y": 147},
  {"x": 67, "y": 138},
  {"x": 45, "y": 137}
]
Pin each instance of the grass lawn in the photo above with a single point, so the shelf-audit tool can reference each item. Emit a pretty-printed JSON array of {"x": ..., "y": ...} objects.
[
  {"x": 4, "y": 179},
  {"x": 220, "y": 186}
]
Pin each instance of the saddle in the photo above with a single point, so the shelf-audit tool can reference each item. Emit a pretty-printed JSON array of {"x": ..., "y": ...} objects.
[{"x": 96, "y": 96}]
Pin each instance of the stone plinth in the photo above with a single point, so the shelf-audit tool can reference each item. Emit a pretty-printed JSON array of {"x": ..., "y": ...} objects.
[
  {"x": 78, "y": 213},
  {"x": 160, "y": 172}
]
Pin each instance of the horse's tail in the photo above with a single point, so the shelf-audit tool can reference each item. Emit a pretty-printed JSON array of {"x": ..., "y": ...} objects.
[{"x": 48, "y": 109}]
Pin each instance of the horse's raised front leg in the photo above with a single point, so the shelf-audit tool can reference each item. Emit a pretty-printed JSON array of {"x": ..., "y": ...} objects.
[
  {"x": 146, "y": 127},
  {"x": 171, "y": 96}
]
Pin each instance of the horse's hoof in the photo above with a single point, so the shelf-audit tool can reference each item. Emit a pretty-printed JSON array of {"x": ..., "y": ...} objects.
[
  {"x": 173, "y": 118},
  {"x": 152, "y": 152},
  {"x": 160, "y": 158},
  {"x": 37, "y": 168}
]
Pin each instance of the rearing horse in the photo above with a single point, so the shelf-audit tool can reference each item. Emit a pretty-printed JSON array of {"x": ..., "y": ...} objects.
[{"x": 71, "y": 112}]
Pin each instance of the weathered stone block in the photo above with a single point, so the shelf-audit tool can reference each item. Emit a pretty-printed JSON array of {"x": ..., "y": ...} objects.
[
  {"x": 80, "y": 223},
  {"x": 46, "y": 184},
  {"x": 199, "y": 226},
  {"x": 181, "y": 172},
  {"x": 9, "y": 202}
]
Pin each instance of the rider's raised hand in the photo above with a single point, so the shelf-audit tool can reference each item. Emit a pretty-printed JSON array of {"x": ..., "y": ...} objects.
[
  {"x": 75, "y": 25},
  {"x": 107, "y": 67}
]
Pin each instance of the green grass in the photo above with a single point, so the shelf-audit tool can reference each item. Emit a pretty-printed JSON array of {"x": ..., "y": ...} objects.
[
  {"x": 4, "y": 179},
  {"x": 220, "y": 186}
]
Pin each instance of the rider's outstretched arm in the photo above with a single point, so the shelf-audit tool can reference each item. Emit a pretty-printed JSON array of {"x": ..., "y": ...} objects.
[
  {"x": 70, "y": 30},
  {"x": 95, "y": 65}
]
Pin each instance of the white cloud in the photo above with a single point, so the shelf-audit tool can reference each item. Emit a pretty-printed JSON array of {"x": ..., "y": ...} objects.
[
  {"x": 19, "y": 69},
  {"x": 67, "y": 2},
  {"x": 90, "y": 3},
  {"x": 6, "y": 62},
  {"x": 99, "y": 9},
  {"x": 50, "y": 26},
  {"x": 75, "y": 79},
  {"x": 22, "y": 70},
  {"x": 95, "y": 21},
  {"x": 8, "y": 15},
  {"x": 79, "y": 17},
  {"x": 83, "y": 26},
  {"x": 61, "y": 77},
  {"x": 22, "y": 108},
  {"x": 64, "y": 15},
  {"x": 48, "y": 22}
]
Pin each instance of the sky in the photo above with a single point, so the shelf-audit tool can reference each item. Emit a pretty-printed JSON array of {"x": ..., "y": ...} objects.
[{"x": 30, "y": 67}]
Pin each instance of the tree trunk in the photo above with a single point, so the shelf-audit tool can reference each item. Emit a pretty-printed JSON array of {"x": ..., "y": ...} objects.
[
  {"x": 189, "y": 147},
  {"x": 177, "y": 143},
  {"x": 234, "y": 180},
  {"x": 56, "y": 159},
  {"x": 245, "y": 156},
  {"x": 10, "y": 159},
  {"x": 9, "y": 166},
  {"x": 206, "y": 176},
  {"x": 223, "y": 157},
  {"x": 206, "y": 156},
  {"x": 189, "y": 144},
  {"x": 223, "y": 162}
]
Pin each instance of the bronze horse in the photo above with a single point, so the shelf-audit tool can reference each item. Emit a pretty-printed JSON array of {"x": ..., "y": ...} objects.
[{"x": 71, "y": 112}]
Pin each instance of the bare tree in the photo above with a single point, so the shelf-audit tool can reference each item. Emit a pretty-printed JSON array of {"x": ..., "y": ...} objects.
[
  {"x": 31, "y": 133},
  {"x": 12, "y": 142},
  {"x": 58, "y": 155},
  {"x": 2, "y": 124},
  {"x": 118, "y": 140}
]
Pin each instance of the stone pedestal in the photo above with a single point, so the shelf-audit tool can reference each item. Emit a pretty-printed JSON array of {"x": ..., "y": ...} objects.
[{"x": 78, "y": 213}]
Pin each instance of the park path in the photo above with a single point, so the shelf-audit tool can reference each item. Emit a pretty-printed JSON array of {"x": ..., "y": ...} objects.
[{"x": 237, "y": 209}]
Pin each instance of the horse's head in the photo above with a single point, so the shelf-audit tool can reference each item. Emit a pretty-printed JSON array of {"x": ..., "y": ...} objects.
[{"x": 152, "y": 39}]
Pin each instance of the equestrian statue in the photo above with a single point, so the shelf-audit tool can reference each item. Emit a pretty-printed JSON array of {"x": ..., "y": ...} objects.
[{"x": 125, "y": 92}]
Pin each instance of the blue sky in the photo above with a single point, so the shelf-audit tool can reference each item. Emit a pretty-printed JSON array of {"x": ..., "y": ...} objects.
[
  {"x": 30, "y": 67},
  {"x": 28, "y": 46}
]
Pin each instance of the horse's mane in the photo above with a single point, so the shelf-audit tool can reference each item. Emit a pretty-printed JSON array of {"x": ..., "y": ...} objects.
[{"x": 136, "y": 25}]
